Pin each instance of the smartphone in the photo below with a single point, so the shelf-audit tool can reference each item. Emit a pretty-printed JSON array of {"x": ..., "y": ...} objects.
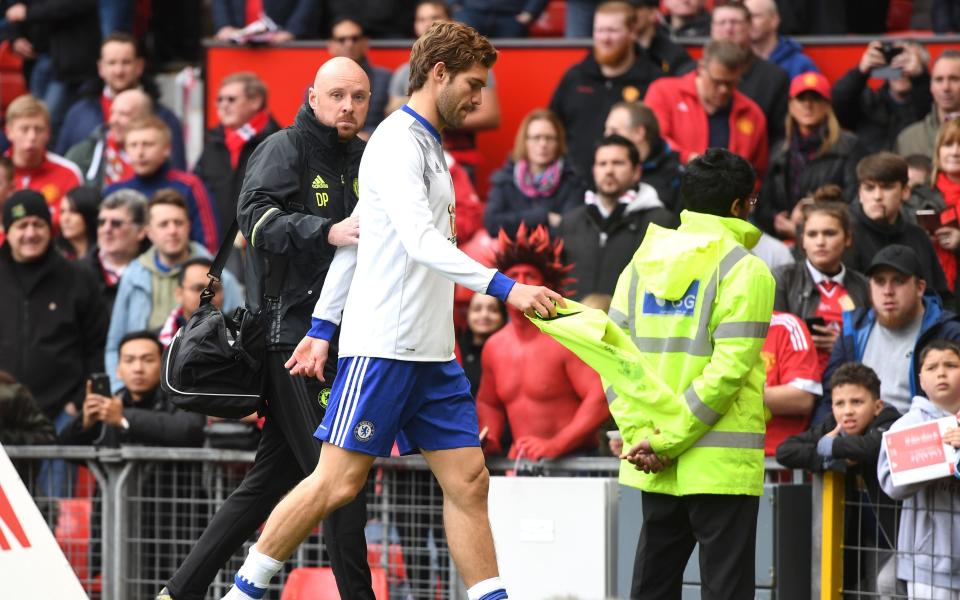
[
  {"x": 100, "y": 384},
  {"x": 818, "y": 321},
  {"x": 928, "y": 219}
]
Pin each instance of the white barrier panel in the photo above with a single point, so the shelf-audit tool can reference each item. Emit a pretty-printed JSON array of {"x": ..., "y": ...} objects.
[
  {"x": 556, "y": 536},
  {"x": 31, "y": 563}
]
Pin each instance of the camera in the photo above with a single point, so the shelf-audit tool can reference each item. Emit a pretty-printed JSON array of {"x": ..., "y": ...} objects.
[{"x": 889, "y": 51}]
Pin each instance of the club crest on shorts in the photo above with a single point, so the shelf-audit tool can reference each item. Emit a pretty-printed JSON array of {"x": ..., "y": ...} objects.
[{"x": 363, "y": 431}]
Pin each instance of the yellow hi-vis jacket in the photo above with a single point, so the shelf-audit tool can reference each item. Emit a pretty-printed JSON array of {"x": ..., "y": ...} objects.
[{"x": 697, "y": 305}]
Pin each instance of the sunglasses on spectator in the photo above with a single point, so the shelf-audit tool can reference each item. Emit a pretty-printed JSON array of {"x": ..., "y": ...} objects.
[
  {"x": 343, "y": 39},
  {"x": 227, "y": 99},
  {"x": 114, "y": 223}
]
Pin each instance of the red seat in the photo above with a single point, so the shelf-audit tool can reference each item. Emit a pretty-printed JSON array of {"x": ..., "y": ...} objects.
[
  {"x": 396, "y": 567},
  {"x": 318, "y": 583},
  {"x": 551, "y": 22}
]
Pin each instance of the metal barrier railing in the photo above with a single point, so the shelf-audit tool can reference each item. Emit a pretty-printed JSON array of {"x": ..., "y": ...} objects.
[
  {"x": 136, "y": 512},
  {"x": 857, "y": 531}
]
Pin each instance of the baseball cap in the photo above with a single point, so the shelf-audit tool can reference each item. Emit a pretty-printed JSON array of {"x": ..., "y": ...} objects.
[
  {"x": 810, "y": 81},
  {"x": 899, "y": 258}
]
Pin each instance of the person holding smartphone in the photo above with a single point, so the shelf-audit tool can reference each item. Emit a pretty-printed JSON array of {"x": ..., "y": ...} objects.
[{"x": 820, "y": 288}]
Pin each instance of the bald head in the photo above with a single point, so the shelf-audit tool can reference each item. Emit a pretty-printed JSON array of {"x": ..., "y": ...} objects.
[
  {"x": 127, "y": 107},
  {"x": 340, "y": 96},
  {"x": 764, "y": 20}
]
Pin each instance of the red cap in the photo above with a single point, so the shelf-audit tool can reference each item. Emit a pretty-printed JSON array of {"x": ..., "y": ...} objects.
[{"x": 811, "y": 80}]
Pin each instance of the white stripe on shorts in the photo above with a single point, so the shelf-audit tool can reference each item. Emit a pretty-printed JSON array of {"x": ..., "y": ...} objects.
[
  {"x": 338, "y": 419},
  {"x": 355, "y": 401}
]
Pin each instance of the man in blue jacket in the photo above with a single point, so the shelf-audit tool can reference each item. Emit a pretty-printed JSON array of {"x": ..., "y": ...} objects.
[
  {"x": 887, "y": 336},
  {"x": 767, "y": 43}
]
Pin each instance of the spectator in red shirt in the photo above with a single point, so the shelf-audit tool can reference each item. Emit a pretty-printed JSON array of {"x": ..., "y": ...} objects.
[
  {"x": 28, "y": 129},
  {"x": 703, "y": 109},
  {"x": 793, "y": 378}
]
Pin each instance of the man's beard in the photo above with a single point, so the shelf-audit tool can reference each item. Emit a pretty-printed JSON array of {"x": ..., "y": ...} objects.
[
  {"x": 896, "y": 322},
  {"x": 449, "y": 110},
  {"x": 612, "y": 57}
]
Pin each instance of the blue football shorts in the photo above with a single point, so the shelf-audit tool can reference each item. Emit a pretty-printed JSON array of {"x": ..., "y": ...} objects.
[{"x": 421, "y": 405}]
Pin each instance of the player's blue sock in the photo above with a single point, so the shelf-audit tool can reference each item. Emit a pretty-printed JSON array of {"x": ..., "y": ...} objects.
[
  {"x": 251, "y": 580},
  {"x": 488, "y": 589}
]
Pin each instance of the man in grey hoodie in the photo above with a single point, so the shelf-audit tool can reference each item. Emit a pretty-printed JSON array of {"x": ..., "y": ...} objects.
[{"x": 928, "y": 544}]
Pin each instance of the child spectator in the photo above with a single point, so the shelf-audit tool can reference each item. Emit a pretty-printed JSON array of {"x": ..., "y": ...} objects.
[
  {"x": 849, "y": 441},
  {"x": 928, "y": 542}
]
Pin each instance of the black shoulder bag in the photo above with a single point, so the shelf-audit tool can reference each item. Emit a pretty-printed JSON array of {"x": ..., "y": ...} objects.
[{"x": 215, "y": 363}]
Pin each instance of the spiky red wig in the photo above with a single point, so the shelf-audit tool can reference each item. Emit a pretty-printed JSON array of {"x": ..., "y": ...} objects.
[{"x": 535, "y": 248}]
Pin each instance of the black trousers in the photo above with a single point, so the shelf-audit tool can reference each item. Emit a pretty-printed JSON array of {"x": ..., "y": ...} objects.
[
  {"x": 288, "y": 452},
  {"x": 724, "y": 526}
]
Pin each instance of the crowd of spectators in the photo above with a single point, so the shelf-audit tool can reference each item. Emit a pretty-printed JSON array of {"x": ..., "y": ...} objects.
[{"x": 108, "y": 232}]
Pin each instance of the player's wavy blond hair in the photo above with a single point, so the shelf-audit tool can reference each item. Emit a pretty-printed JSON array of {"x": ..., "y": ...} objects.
[{"x": 535, "y": 248}]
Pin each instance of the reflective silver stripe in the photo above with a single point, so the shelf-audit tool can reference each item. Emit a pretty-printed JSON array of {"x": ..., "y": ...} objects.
[
  {"x": 618, "y": 318},
  {"x": 699, "y": 409},
  {"x": 732, "y": 258},
  {"x": 744, "y": 329},
  {"x": 695, "y": 347},
  {"x": 253, "y": 234},
  {"x": 730, "y": 439},
  {"x": 611, "y": 395}
]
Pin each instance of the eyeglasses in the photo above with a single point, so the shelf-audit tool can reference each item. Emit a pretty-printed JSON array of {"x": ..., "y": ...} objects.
[
  {"x": 542, "y": 138},
  {"x": 113, "y": 223},
  {"x": 717, "y": 82},
  {"x": 343, "y": 39},
  {"x": 227, "y": 99}
]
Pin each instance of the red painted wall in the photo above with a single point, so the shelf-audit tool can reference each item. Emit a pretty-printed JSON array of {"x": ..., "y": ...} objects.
[{"x": 526, "y": 78}]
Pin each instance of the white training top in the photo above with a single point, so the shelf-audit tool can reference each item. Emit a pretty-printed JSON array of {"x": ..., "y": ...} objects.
[{"x": 395, "y": 289}]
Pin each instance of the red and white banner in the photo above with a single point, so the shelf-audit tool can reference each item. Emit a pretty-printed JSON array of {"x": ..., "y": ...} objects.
[
  {"x": 917, "y": 453},
  {"x": 31, "y": 563}
]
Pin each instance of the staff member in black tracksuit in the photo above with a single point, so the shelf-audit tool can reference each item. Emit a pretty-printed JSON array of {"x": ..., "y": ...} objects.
[{"x": 298, "y": 193}]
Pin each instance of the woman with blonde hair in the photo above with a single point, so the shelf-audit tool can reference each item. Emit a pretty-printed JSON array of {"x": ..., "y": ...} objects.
[
  {"x": 815, "y": 152},
  {"x": 537, "y": 184}
]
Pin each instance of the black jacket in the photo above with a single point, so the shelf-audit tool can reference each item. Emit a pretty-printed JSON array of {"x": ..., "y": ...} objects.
[
  {"x": 583, "y": 98},
  {"x": 873, "y": 115},
  {"x": 800, "y": 452},
  {"x": 21, "y": 421},
  {"x": 224, "y": 181},
  {"x": 154, "y": 421},
  {"x": 300, "y": 181},
  {"x": 599, "y": 249},
  {"x": 870, "y": 236},
  {"x": 507, "y": 206},
  {"x": 662, "y": 171},
  {"x": 666, "y": 55},
  {"x": 797, "y": 294},
  {"x": 837, "y": 165},
  {"x": 52, "y": 321},
  {"x": 69, "y": 30},
  {"x": 768, "y": 85}
]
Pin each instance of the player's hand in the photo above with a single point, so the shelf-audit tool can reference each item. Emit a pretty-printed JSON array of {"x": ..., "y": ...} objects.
[
  {"x": 345, "y": 233},
  {"x": 309, "y": 357},
  {"x": 532, "y": 299}
]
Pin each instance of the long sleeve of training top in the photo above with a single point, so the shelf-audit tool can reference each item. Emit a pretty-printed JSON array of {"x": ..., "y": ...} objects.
[{"x": 398, "y": 303}]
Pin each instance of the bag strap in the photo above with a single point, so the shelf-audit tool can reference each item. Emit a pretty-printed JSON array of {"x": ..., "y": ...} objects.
[{"x": 216, "y": 269}]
